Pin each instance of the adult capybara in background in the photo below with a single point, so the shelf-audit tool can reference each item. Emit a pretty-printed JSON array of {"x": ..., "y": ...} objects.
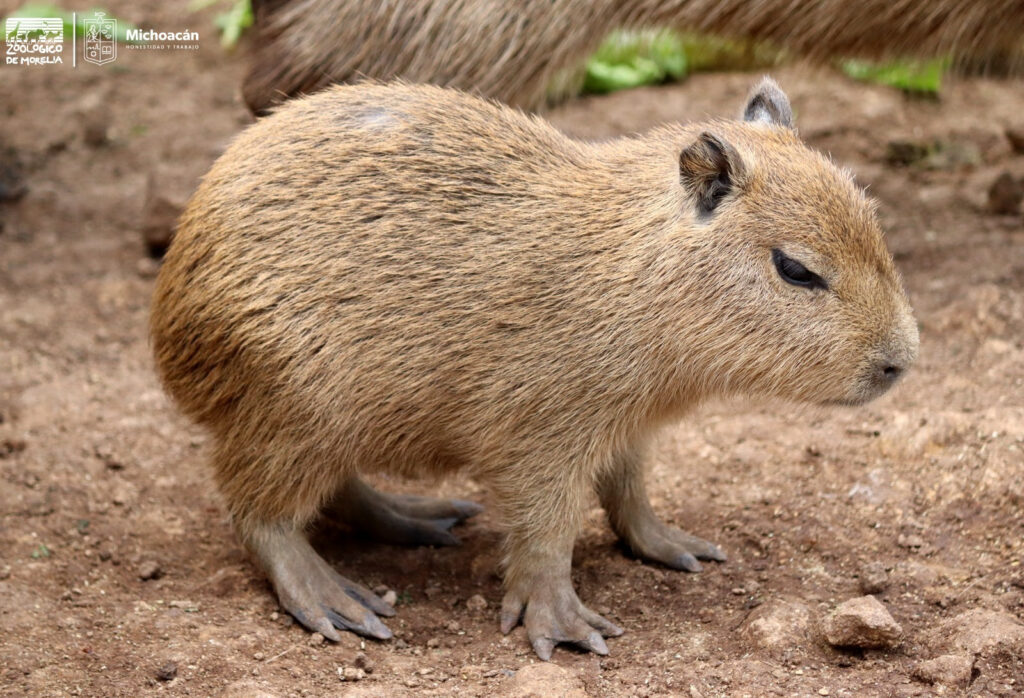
[
  {"x": 513, "y": 51},
  {"x": 407, "y": 279}
]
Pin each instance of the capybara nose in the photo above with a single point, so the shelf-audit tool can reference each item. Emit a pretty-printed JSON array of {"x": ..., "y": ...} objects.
[
  {"x": 887, "y": 372},
  {"x": 890, "y": 372}
]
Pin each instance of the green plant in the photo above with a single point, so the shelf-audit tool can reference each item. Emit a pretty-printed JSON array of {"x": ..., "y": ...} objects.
[
  {"x": 917, "y": 77},
  {"x": 232, "y": 22},
  {"x": 631, "y": 59}
]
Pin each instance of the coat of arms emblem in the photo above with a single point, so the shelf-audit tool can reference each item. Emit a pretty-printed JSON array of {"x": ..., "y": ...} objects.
[{"x": 100, "y": 41}]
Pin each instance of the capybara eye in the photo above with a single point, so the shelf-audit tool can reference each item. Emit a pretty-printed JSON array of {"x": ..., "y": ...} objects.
[{"x": 793, "y": 272}]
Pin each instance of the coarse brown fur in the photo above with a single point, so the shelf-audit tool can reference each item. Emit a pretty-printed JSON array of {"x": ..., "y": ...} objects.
[
  {"x": 513, "y": 51},
  {"x": 407, "y": 279}
]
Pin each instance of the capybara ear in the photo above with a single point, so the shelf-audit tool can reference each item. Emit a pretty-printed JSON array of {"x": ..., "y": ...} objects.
[
  {"x": 709, "y": 169},
  {"x": 769, "y": 104}
]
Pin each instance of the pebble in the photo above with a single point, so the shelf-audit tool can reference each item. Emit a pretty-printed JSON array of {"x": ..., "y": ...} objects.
[
  {"x": 873, "y": 578},
  {"x": 910, "y": 541},
  {"x": 545, "y": 679},
  {"x": 905, "y": 152},
  {"x": 316, "y": 639},
  {"x": 476, "y": 603},
  {"x": 160, "y": 212},
  {"x": 149, "y": 569},
  {"x": 952, "y": 670},
  {"x": 5, "y": 571},
  {"x": 1015, "y": 134},
  {"x": 979, "y": 630},
  {"x": 95, "y": 117},
  {"x": 862, "y": 622},
  {"x": 778, "y": 624},
  {"x": 351, "y": 673},
  {"x": 147, "y": 268},
  {"x": 167, "y": 671},
  {"x": 1005, "y": 195},
  {"x": 390, "y": 597},
  {"x": 363, "y": 662}
]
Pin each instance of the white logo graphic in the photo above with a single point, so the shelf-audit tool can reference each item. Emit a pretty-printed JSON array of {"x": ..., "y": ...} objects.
[
  {"x": 34, "y": 40},
  {"x": 100, "y": 41}
]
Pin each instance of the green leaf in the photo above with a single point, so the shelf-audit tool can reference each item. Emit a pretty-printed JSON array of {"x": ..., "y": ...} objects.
[
  {"x": 631, "y": 59},
  {"x": 234, "y": 22},
  {"x": 923, "y": 77}
]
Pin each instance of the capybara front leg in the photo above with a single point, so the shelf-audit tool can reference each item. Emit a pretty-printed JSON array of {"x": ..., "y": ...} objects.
[
  {"x": 622, "y": 493},
  {"x": 309, "y": 589},
  {"x": 539, "y": 591}
]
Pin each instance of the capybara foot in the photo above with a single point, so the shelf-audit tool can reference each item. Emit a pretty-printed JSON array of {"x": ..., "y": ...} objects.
[
  {"x": 552, "y": 613},
  {"x": 655, "y": 541},
  {"x": 309, "y": 589},
  {"x": 401, "y": 519}
]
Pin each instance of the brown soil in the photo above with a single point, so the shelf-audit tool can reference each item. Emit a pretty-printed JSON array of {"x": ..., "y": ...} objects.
[{"x": 103, "y": 482}]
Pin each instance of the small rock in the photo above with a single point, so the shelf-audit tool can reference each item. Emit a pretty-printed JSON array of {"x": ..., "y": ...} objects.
[
  {"x": 905, "y": 152},
  {"x": 110, "y": 458},
  {"x": 909, "y": 541},
  {"x": 543, "y": 680},
  {"x": 953, "y": 670},
  {"x": 316, "y": 639},
  {"x": 777, "y": 624},
  {"x": 95, "y": 117},
  {"x": 150, "y": 569},
  {"x": 5, "y": 571},
  {"x": 476, "y": 603},
  {"x": 351, "y": 673},
  {"x": 1005, "y": 195},
  {"x": 12, "y": 180},
  {"x": 1016, "y": 137},
  {"x": 873, "y": 578},
  {"x": 390, "y": 597},
  {"x": 167, "y": 671},
  {"x": 979, "y": 630},
  {"x": 862, "y": 622},
  {"x": 363, "y": 662},
  {"x": 160, "y": 212},
  {"x": 147, "y": 268},
  {"x": 433, "y": 642},
  {"x": 380, "y": 589}
]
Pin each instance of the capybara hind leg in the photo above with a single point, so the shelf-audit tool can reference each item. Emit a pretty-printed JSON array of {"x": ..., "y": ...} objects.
[
  {"x": 539, "y": 591},
  {"x": 399, "y": 519},
  {"x": 309, "y": 589},
  {"x": 622, "y": 493}
]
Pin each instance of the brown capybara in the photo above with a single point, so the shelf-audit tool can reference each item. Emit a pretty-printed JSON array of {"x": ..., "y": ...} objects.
[
  {"x": 408, "y": 280},
  {"x": 514, "y": 51}
]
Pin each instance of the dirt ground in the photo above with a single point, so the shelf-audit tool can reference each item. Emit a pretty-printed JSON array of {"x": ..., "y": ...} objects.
[{"x": 917, "y": 497}]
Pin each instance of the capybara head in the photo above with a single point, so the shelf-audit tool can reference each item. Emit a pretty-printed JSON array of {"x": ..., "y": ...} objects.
[{"x": 805, "y": 301}]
